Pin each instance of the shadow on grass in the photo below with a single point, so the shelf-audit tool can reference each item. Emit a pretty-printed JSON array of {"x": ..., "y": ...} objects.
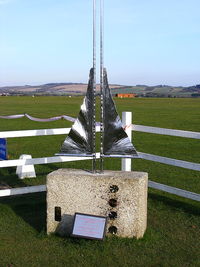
[
  {"x": 8, "y": 178},
  {"x": 31, "y": 208}
]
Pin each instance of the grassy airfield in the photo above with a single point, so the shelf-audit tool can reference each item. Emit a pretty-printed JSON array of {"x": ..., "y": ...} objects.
[{"x": 172, "y": 237}]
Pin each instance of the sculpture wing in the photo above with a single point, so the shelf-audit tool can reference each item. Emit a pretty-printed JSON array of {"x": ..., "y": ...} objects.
[
  {"x": 79, "y": 142},
  {"x": 116, "y": 142}
]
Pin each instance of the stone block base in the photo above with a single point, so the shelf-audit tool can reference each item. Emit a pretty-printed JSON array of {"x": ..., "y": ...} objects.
[{"x": 122, "y": 196}]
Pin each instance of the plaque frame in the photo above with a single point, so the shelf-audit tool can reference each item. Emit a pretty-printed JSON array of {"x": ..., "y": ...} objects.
[{"x": 87, "y": 236}]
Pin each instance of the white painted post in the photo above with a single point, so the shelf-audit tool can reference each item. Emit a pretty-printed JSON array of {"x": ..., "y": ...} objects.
[
  {"x": 127, "y": 123},
  {"x": 25, "y": 171}
]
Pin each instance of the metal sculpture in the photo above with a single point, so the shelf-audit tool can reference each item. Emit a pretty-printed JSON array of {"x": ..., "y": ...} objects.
[
  {"x": 114, "y": 141},
  {"x": 79, "y": 142}
]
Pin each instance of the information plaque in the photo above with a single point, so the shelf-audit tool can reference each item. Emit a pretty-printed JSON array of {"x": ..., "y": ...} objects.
[
  {"x": 89, "y": 226},
  {"x": 3, "y": 149}
]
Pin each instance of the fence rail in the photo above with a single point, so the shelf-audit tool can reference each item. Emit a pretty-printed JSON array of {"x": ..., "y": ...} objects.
[
  {"x": 39, "y": 132},
  {"x": 42, "y": 188},
  {"x": 169, "y": 161},
  {"x": 36, "y": 161},
  {"x": 163, "y": 131},
  {"x": 126, "y": 163},
  {"x": 137, "y": 128},
  {"x": 29, "y": 133},
  {"x": 22, "y": 190},
  {"x": 174, "y": 191},
  {"x": 56, "y": 159}
]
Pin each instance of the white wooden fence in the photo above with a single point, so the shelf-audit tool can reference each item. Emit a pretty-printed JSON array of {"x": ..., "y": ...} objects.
[{"x": 126, "y": 163}]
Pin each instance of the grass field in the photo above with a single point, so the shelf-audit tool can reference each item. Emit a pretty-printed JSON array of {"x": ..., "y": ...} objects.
[{"x": 172, "y": 237}]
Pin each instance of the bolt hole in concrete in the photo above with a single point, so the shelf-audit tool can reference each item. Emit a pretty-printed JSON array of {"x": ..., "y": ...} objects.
[
  {"x": 112, "y": 215},
  {"x": 112, "y": 230},
  {"x": 57, "y": 214},
  {"x": 112, "y": 202},
  {"x": 114, "y": 188}
]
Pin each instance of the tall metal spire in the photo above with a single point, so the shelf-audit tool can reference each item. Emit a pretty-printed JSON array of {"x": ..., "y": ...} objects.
[
  {"x": 81, "y": 140},
  {"x": 94, "y": 87},
  {"x": 101, "y": 83}
]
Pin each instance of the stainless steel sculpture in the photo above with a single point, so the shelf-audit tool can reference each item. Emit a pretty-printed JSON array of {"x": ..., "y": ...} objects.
[
  {"x": 115, "y": 142},
  {"x": 81, "y": 140}
]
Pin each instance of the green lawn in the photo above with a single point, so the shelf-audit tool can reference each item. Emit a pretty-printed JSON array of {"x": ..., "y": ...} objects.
[{"x": 172, "y": 237}]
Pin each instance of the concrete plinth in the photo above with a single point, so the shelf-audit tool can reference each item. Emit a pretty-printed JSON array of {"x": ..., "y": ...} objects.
[{"x": 122, "y": 196}]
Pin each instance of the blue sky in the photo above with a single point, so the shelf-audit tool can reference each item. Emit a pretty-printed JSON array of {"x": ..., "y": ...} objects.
[{"x": 146, "y": 41}]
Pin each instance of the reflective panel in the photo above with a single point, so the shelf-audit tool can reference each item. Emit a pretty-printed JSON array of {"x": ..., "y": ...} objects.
[
  {"x": 116, "y": 141},
  {"x": 79, "y": 142}
]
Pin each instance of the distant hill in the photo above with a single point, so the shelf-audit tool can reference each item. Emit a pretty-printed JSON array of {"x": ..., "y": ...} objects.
[
  {"x": 60, "y": 89},
  {"x": 49, "y": 89},
  {"x": 159, "y": 91},
  {"x": 46, "y": 89}
]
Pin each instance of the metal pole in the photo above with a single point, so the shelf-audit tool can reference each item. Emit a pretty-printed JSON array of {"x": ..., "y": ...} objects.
[
  {"x": 94, "y": 88},
  {"x": 101, "y": 84}
]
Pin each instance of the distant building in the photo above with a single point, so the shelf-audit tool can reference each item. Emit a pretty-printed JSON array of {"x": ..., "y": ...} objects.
[
  {"x": 4, "y": 94},
  {"x": 125, "y": 95}
]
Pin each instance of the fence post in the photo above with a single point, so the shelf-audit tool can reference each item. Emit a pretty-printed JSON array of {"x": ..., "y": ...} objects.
[
  {"x": 127, "y": 122},
  {"x": 25, "y": 171}
]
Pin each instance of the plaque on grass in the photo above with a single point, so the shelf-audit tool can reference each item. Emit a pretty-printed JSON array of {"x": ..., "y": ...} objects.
[{"x": 89, "y": 226}]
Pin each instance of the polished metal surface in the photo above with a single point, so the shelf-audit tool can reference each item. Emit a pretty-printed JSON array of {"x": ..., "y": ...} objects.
[
  {"x": 80, "y": 139},
  {"x": 94, "y": 89},
  {"x": 73, "y": 155},
  {"x": 101, "y": 84},
  {"x": 116, "y": 141}
]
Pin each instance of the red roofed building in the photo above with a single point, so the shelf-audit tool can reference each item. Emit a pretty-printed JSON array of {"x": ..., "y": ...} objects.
[{"x": 125, "y": 95}]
